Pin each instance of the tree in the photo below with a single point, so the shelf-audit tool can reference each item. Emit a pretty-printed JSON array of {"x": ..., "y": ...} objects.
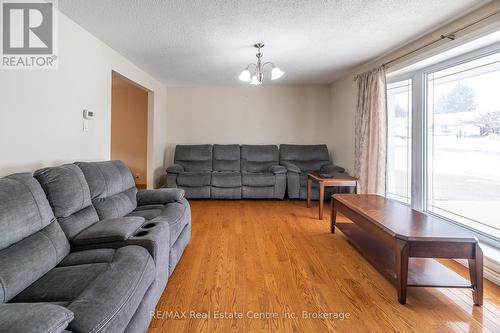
[
  {"x": 461, "y": 98},
  {"x": 488, "y": 122}
]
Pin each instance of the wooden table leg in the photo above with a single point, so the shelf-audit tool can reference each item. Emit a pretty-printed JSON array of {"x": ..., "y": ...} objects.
[
  {"x": 476, "y": 275},
  {"x": 321, "y": 199},
  {"x": 401, "y": 256},
  {"x": 309, "y": 185},
  {"x": 333, "y": 217}
]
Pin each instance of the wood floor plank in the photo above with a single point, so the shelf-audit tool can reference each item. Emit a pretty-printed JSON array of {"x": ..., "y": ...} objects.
[{"x": 271, "y": 261}]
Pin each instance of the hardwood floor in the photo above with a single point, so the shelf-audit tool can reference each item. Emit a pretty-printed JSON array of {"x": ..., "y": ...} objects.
[{"x": 276, "y": 257}]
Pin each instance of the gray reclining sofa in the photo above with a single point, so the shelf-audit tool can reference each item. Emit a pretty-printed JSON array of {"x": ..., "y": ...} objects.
[
  {"x": 114, "y": 195},
  {"x": 228, "y": 172},
  {"x": 82, "y": 251},
  {"x": 248, "y": 171},
  {"x": 300, "y": 160}
]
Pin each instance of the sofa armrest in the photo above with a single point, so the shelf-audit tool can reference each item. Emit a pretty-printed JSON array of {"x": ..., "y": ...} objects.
[
  {"x": 160, "y": 196},
  {"x": 34, "y": 318},
  {"x": 277, "y": 169},
  {"x": 109, "y": 230},
  {"x": 175, "y": 168},
  {"x": 330, "y": 168},
  {"x": 291, "y": 167}
]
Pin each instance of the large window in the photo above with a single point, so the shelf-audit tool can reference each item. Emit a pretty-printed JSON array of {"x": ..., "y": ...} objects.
[
  {"x": 454, "y": 131},
  {"x": 463, "y": 135},
  {"x": 399, "y": 140}
]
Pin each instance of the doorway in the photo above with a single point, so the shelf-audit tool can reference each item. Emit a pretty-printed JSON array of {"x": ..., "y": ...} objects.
[{"x": 129, "y": 126}]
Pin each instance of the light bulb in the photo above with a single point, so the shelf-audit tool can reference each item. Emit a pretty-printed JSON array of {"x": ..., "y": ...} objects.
[
  {"x": 245, "y": 76},
  {"x": 276, "y": 73},
  {"x": 255, "y": 81}
]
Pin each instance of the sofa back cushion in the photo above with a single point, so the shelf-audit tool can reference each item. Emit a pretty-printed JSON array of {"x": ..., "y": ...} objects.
[
  {"x": 306, "y": 157},
  {"x": 31, "y": 240},
  {"x": 258, "y": 158},
  {"x": 194, "y": 157},
  {"x": 69, "y": 196},
  {"x": 226, "y": 158},
  {"x": 112, "y": 188}
]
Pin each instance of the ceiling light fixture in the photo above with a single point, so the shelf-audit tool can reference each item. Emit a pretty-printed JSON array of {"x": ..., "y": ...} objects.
[{"x": 254, "y": 72}]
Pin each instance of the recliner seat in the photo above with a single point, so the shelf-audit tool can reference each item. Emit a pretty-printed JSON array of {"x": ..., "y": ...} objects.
[
  {"x": 114, "y": 195},
  {"x": 192, "y": 170},
  {"x": 300, "y": 160},
  {"x": 87, "y": 291},
  {"x": 262, "y": 177},
  {"x": 226, "y": 175},
  {"x": 69, "y": 196}
]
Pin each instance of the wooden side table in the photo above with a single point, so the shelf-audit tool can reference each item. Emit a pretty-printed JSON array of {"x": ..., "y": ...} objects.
[{"x": 338, "y": 180}]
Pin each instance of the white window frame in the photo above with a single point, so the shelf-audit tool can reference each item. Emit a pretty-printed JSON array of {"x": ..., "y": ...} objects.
[
  {"x": 395, "y": 80},
  {"x": 419, "y": 133}
]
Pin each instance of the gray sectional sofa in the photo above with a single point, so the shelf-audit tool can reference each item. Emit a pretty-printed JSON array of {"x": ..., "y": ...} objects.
[
  {"x": 248, "y": 171},
  {"x": 82, "y": 251},
  {"x": 228, "y": 172}
]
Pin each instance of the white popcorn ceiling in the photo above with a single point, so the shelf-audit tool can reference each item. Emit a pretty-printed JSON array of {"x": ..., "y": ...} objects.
[{"x": 205, "y": 42}]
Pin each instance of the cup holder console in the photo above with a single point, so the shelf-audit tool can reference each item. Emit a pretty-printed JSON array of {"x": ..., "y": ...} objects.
[
  {"x": 149, "y": 225},
  {"x": 141, "y": 233}
]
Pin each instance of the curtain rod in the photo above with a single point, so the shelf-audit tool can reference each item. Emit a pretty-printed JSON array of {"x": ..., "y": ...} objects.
[{"x": 449, "y": 36}]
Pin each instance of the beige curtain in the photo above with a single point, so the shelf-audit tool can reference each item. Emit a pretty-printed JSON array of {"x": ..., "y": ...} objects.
[{"x": 371, "y": 132}]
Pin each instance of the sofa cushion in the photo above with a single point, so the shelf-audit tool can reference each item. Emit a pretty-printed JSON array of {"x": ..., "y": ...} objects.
[
  {"x": 110, "y": 230},
  {"x": 24, "y": 208},
  {"x": 200, "y": 192},
  {"x": 31, "y": 240},
  {"x": 112, "y": 188},
  {"x": 225, "y": 192},
  {"x": 103, "y": 292},
  {"x": 251, "y": 192},
  {"x": 194, "y": 179},
  {"x": 69, "y": 196},
  {"x": 117, "y": 205},
  {"x": 226, "y": 158},
  {"x": 306, "y": 157},
  {"x": 258, "y": 179},
  {"x": 194, "y": 157},
  {"x": 226, "y": 179},
  {"x": 87, "y": 257},
  {"x": 36, "y": 254},
  {"x": 258, "y": 158},
  {"x": 107, "y": 178},
  {"x": 34, "y": 318}
]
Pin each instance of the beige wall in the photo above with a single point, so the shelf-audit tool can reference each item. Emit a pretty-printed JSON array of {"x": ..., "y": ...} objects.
[
  {"x": 41, "y": 110},
  {"x": 266, "y": 114},
  {"x": 129, "y": 127},
  {"x": 343, "y": 90}
]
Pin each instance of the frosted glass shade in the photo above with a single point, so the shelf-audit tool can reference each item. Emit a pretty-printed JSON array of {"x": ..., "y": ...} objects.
[
  {"x": 276, "y": 73},
  {"x": 255, "y": 81},
  {"x": 245, "y": 76}
]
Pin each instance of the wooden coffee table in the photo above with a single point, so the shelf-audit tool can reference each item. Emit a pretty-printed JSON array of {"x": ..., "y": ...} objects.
[
  {"x": 340, "y": 179},
  {"x": 402, "y": 242}
]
